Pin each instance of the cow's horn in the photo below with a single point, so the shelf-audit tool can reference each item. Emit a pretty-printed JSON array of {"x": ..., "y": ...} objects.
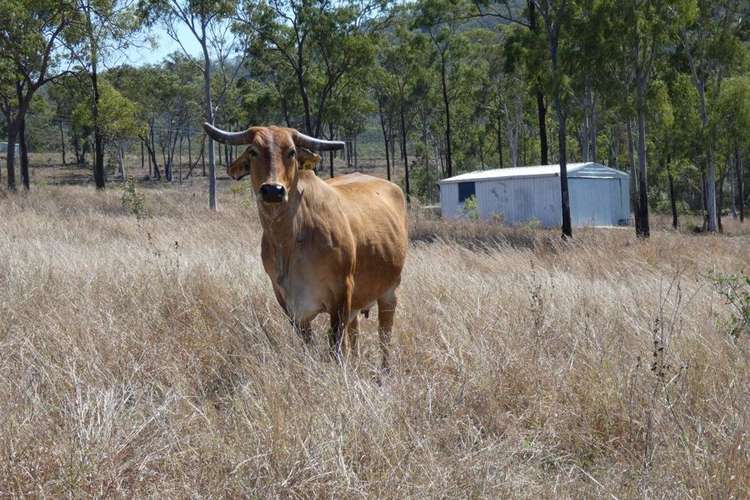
[
  {"x": 308, "y": 142},
  {"x": 235, "y": 138}
]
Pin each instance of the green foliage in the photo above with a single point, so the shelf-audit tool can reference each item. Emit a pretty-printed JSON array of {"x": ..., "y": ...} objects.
[
  {"x": 134, "y": 201},
  {"x": 117, "y": 114},
  {"x": 471, "y": 208}
]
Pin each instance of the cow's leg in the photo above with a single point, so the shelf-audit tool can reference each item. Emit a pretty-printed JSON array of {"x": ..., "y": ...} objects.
[
  {"x": 305, "y": 331},
  {"x": 335, "y": 334},
  {"x": 386, "y": 311},
  {"x": 339, "y": 319},
  {"x": 352, "y": 332}
]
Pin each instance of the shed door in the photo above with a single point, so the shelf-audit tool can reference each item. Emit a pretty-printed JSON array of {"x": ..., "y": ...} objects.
[{"x": 590, "y": 203}]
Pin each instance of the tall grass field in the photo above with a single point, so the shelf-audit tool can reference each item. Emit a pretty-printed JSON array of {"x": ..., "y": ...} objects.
[{"x": 142, "y": 354}]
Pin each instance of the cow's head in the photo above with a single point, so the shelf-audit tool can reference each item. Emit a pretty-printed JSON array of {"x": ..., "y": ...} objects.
[{"x": 273, "y": 157}]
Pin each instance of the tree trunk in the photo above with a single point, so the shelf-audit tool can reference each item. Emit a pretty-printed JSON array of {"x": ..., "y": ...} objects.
[
  {"x": 356, "y": 154},
  {"x": 179, "y": 161},
  {"x": 383, "y": 128},
  {"x": 542, "y": 112},
  {"x": 500, "y": 137},
  {"x": 403, "y": 148},
  {"x": 210, "y": 119},
  {"x": 710, "y": 185},
  {"x": 540, "y": 107},
  {"x": 643, "y": 229},
  {"x": 592, "y": 140},
  {"x": 740, "y": 187},
  {"x": 446, "y": 103},
  {"x": 720, "y": 202},
  {"x": 633, "y": 176},
  {"x": 24, "y": 152},
  {"x": 567, "y": 228},
  {"x": 330, "y": 154},
  {"x": 77, "y": 149},
  {"x": 672, "y": 200},
  {"x": 62, "y": 142},
  {"x": 142, "y": 162},
  {"x": 11, "y": 155},
  {"x": 203, "y": 155},
  {"x": 190, "y": 152},
  {"x": 99, "y": 178}
]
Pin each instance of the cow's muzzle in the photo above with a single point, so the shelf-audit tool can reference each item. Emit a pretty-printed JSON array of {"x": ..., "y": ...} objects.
[{"x": 272, "y": 193}]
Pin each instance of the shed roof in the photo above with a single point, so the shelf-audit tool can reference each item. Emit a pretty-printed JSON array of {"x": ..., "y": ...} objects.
[{"x": 589, "y": 170}]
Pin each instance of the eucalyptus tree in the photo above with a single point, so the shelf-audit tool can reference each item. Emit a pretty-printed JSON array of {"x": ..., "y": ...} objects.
[
  {"x": 403, "y": 59},
  {"x": 441, "y": 21},
  {"x": 318, "y": 43},
  {"x": 644, "y": 29},
  {"x": 31, "y": 50},
  {"x": 712, "y": 44},
  {"x": 207, "y": 21},
  {"x": 556, "y": 15},
  {"x": 733, "y": 115},
  {"x": 102, "y": 29}
]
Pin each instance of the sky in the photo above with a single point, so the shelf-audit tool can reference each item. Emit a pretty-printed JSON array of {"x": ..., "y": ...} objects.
[{"x": 144, "y": 53}]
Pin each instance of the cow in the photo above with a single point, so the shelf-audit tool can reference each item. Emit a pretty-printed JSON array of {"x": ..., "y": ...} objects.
[{"x": 336, "y": 246}]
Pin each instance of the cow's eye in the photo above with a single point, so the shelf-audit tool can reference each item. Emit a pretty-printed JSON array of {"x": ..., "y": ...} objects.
[
  {"x": 253, "y": 153},
  {"x": 291, "y": 153}
]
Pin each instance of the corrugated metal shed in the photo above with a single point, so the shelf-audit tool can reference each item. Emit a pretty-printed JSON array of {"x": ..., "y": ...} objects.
[
  {"x": 4, "y": 149},
  {"x": 599, "y": 195}
]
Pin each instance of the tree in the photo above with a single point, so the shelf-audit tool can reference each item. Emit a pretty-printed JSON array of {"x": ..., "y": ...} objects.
[
  {"x": 30, "y": 45},
  {"x": 712, "y": 46},
  {"x": 733, "y": 114},
  {"x": 103, "y": 27},
  {"x": 556, "y": 14},
  {"x": 318, "y": 43},
  {"x": 440, "y": 19},
  {"x": 645, "y": 28},
  {"x": 204, "y": 19}
]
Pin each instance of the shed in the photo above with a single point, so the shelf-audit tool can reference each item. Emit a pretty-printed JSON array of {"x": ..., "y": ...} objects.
[
  {"x": 599, "y": 195},
  {"x": 4, "y": 149}
]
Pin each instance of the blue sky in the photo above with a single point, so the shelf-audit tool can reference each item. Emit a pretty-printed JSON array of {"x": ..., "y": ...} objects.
[{"x": 144, "y": 53}]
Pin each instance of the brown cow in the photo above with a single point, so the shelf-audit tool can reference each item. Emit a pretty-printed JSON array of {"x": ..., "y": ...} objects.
[{"x": 335, "y": 246}]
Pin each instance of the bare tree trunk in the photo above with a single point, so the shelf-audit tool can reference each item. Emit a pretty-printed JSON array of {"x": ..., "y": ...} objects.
[
  {"x": 403, "y": 148},
  {"x": 330, "y": 154},
  {"x": 10, "y": 159},
  {"x": 446, "y": 103},
  {"x": 210, "y": 119},
  {"x": 500, "y": 138},
  {"x": 540, "y": 107},
  {"x": 711, "y": 209},
  {"x": 643, "y": 229},
  {"x": 383, "y": 128},
  {"x": 142, "y": 162},
  {"x": 740, "y": 187},
  {"x": 356, "y": 154},
  {"x": 179, "y": 161},
  {"x": 99, "y": 177},
  {"x": 594, "y": 156},
  {"x": 633, "y": 175},
  {"x": 567, "y": 227},
  {"x": 80, "y": 160},
  {"x": 190, "y": 151},
  {"x": 203, "y": 156},
  {"x": 62, "y": 142},
  {"x": 672, "y": 199},
  {"x": 720, "y": 201},
  {"x": 24, "y": 152}
]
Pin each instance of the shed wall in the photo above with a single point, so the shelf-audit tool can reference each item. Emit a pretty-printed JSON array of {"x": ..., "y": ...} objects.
[
  {"x": 449, "y": 205},
  {"x": 521, "y": 200}
]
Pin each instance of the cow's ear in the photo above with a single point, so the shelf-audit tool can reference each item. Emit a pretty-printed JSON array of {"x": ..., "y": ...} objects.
[{"x": 307, "y": 159}]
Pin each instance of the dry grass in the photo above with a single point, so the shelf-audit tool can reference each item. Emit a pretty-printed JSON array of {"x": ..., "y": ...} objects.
[{"x": 148, "y": 358}]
